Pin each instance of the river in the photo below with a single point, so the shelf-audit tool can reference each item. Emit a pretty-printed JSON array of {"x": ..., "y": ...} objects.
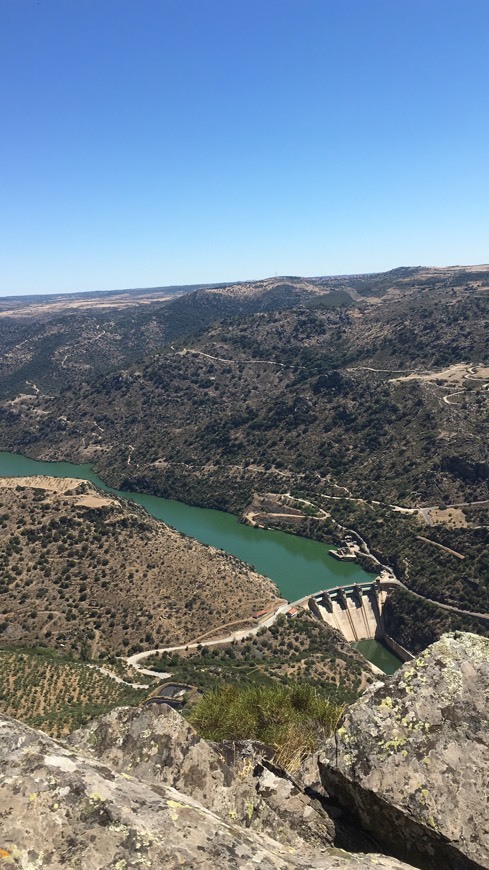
[
  {"x": 377, "y": 653},
  {"x": 297, "y": 565}
]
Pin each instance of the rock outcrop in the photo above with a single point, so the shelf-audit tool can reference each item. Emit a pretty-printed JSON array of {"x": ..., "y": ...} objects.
[
  {"x": 412, "y": 758},
  {"x": 407, "y": 773},
  {"x": 158, "y": 746},
  {"x": 60, "y": 809}
]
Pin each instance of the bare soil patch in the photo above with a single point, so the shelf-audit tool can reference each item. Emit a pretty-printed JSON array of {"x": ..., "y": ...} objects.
[{"x": 454, "y": 518}]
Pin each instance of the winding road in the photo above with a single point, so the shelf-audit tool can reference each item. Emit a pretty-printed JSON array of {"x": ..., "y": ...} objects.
[
  {"x": 268, "y": 362},
  {"x": 134, "y": 660}
]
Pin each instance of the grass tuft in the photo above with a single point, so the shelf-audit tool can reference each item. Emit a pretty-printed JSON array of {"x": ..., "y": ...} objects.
[{"x": 293, "y": 719}]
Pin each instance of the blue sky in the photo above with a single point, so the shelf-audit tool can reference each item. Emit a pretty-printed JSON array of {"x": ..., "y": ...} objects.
[{"x": 152, "y": 142}]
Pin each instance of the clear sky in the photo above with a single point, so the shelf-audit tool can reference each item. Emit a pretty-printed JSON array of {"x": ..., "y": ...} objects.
[{"x": 152, "y": 142}]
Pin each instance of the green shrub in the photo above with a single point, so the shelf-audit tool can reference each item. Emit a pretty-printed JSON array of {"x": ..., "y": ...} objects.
[{"x": 293, "y": 719}]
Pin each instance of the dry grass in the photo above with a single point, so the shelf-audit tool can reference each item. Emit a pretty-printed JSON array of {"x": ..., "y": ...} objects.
[{"x": 293, "y": 719}]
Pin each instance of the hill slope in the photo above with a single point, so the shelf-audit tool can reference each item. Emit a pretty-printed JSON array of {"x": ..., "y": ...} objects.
[
  {"x": 49, "y": 691},
  {"x": 95, "y": 574},
  {"x": 390, "y": 401},
  {"x": 54, "y": 341}
]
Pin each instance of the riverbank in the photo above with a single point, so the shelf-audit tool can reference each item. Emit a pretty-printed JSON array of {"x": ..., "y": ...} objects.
[{"x": 299, "y": 566}]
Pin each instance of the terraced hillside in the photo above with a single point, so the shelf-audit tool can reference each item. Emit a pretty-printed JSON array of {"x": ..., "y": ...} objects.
[{"x": 48, "y": 691}]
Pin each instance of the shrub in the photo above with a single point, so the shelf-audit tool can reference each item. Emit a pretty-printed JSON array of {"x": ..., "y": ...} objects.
[{"x": 293, "y": 719}]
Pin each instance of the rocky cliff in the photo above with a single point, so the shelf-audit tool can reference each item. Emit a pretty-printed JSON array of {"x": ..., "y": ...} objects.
[
  {"x": 411, "y": 757},
  {"x": 406, "y": 774}
]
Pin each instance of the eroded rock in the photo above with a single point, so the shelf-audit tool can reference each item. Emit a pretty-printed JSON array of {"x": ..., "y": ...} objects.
[
  {"x": 412, "y": 757},
  {"x": 157, "y": 745},
  {"x": 60, "y": 809}
]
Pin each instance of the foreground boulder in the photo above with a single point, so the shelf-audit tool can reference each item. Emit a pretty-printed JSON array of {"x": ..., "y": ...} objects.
[
  {"x": 411, "y": 759},
  {"x": 60, "y": 809},
  {"x": 158, "y": 745}
]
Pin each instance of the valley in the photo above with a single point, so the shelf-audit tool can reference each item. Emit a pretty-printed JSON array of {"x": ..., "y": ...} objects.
[{"x": 310, "y": 409}]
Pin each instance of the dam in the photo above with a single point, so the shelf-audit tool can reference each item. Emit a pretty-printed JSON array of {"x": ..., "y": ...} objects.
[{"x": 356, "y": 611}]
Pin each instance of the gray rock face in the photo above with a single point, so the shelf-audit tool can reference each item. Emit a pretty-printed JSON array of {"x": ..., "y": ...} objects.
[
  {"x": 412, "y": 758},
  {"x": 157, "y": 745},
  {"x": 60, "y": 809}
]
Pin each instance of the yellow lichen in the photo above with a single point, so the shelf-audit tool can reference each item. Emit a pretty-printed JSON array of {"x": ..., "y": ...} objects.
[
  {"x": 394, "y": 744},
  {"x": 431, "y": 822},
  {"x": 178, "y": 805}
]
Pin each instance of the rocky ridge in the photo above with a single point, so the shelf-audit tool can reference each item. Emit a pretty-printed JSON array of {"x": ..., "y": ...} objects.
[
  {"x": 407, "y": 769},
  {"x": 158, "y": 746}
]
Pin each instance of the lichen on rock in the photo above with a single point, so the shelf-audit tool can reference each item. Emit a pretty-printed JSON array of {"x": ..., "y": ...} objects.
[
  {"x": 158, "y": 745},
  {"x": 412, "y": 757},
  {"x": 61, "y": 808}
]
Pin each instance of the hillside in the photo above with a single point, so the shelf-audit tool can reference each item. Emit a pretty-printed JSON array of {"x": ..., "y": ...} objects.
[
  {"x": 48, "y": 691},
  {"x": 291, "y": 650},
  {"x": 286, "y": 385},
  {"x": 60, "y": 340},
  {"x": 389, "y": 400},
  {"x": 47, "y": 342},
  {"x": 93, "y": 574}
]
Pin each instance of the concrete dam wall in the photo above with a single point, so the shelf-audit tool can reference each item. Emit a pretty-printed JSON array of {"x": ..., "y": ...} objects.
[{"x": 356, "y": 611}]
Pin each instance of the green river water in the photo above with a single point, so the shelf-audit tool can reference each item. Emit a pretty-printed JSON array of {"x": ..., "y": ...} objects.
[
  {"x": 378, "y": 654},
  {"x": 298, "y": 565}
]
